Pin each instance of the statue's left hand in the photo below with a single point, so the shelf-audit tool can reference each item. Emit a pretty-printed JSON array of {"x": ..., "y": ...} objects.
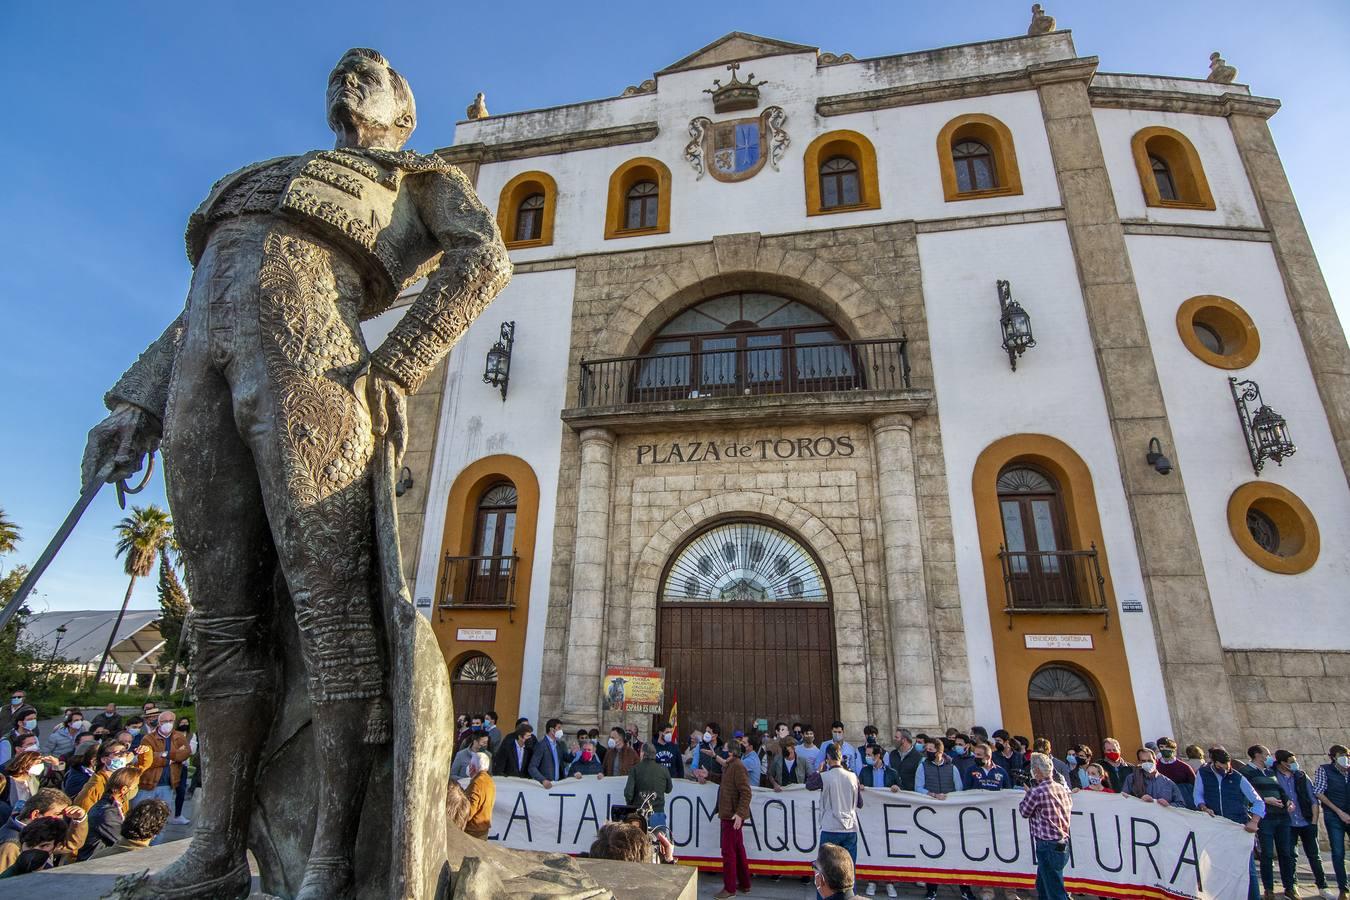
[{"x": 388, "y": 406}]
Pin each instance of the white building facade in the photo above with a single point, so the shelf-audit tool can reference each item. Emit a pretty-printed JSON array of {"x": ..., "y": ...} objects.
[{"x": 760, "y": 431}]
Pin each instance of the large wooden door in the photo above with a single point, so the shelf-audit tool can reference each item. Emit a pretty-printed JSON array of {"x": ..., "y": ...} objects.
[
  {"x": 733, "y": 663},
  {"x": 473, "y": 687},
  {"x": 1065, "y": 709}
]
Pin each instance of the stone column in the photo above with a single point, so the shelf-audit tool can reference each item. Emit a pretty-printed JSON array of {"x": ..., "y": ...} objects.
[
  {"x": 590, "y": 562},
  {"x": 1184, "y": 625},
  {"x": 915, "y": 700},
  {"x": 1309, "y": 300}
]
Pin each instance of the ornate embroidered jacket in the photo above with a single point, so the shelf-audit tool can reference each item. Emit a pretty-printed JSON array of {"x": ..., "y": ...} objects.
[{"x": 400, "y": 215}]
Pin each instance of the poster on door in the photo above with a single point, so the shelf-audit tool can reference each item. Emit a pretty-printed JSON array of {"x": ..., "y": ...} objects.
[{"x": 633, "y": 689}]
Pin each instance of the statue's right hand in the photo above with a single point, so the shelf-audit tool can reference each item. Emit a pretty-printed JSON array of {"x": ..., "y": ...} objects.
[{"x": 119, "y": 443}]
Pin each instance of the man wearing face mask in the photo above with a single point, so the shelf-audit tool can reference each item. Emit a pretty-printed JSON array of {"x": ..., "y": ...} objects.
[
  {"x": 1150, "y": 785},
  {"x": 62, "y": 740},
  {"x": 620, "y": 758},
  {"x": 169, "y": 749},
  {"x": 113, "y": 756},
  {"x": 477, "y": 743},
  {"x": 48, "y": 803},
  {"x": 808, "y": 750},
  {"x": 550, "y": 759},
  {"x": 1275, "y": 837},
  {"x": 937, "y": 777},
  {"x": 905, "y": 758},
  {"x": 586, "y": 762},
  {"x": 512, "y": 759},
  {"x": 1221, "y": 790},
  {"x": 1331, "y": 787},
  {"x": 667, "y": 750},
  {"x": 1174, "y": 768},
  {"x": 24, "y": 724},
  {"x": 733, "y": 808},
  {"x": 1303, "y": 812},
  {"x": 38, "y": 843},
  {"x": 1115, "y": 766},
  {"x": 848, "y": 754},
  {"x": 962, "y": 756}
]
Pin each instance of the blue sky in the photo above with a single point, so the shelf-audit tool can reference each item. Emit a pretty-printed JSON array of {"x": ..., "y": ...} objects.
[{"x": 122, "y": 115}]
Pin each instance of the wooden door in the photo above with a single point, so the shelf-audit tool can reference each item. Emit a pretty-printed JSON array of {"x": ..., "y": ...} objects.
[
  {"x": 1065, "y": 709},
  {"x": 735, "y": 663},
  {"x": 473, "y": 688}
]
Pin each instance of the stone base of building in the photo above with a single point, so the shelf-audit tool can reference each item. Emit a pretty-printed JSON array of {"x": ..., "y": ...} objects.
[{"x": 1298, "y": 700}]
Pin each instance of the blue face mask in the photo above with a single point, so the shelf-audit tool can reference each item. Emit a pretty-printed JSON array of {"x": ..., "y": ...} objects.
[
  {"x": 1270, "y": 762},
  {"x": 958, "y": 751},
  {"x": 1293, "y": 765},
  {"x": 1071, "y": 759},
  {"x": 116, "y": 763}
]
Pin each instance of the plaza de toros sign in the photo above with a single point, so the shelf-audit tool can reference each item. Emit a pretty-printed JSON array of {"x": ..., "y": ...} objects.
[{"x": 755, "y": 449}]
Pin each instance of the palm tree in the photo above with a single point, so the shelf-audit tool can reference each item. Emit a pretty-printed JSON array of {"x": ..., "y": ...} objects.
[
  {"x": 9, "y": 534},
  {"x": 141, "y": 537}
]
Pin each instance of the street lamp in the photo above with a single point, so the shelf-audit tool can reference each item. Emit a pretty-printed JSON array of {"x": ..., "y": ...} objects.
[
  {"x": 1015, "y": 323},
  {"x": 51, "y": 663},
  {"x": 498, "y": 369},
  {"x": 1265, "y": 431}
]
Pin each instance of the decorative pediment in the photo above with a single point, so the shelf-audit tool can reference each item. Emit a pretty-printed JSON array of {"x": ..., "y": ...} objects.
[{"x": 738, "y": 45}]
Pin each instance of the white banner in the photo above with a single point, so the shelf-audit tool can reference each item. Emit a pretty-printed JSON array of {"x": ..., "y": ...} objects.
[{"x": 1119, "y": 847}]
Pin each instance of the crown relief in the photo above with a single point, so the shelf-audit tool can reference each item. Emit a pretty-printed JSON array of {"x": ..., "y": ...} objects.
[{"x": 735, "y": 94}]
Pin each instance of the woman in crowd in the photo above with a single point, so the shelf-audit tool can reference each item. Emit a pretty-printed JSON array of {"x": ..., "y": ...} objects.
[
  {"x": 1097, "y": 780},
  {"x": 23, "y": 778},
  {"x": 1078, "y": 759},
  {"x": 62, "y": 739}
]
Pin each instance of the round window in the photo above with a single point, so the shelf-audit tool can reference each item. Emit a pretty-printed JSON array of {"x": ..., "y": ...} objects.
[
  {"x": 1218, "y": 331},
  {"x": 1274, "y": 528}
]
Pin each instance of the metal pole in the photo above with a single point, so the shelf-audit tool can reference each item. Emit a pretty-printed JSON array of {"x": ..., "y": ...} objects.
[{"x": 112, "y": 636}]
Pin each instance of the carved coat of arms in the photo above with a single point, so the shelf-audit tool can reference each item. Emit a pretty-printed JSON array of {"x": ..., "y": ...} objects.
[{"x": 736, "y": 149}]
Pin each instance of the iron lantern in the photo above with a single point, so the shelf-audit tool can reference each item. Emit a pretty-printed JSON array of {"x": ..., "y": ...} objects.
[
  {"x": 498, "y": 370},
  {"x": 1265, "y": 431},
  {"x": 1015, "y": 323},
  {"x": 1160, "y": 463}
]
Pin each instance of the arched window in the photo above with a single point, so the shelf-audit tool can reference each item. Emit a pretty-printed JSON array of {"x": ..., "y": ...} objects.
[
  {"x": 641, "y": 206},
  {"x": 494, "y": 545},
  {"x": 745, "y": 343},
  {"x": 1170, "y": 172},
  {"x": 525, "y": 210},
  {"x": 473, "y": 686},
  {"x": 1034, "y": 537},
  {"x": 639, "y": 199},
  {"x": 839, "y": 183},
  {"x": 974, "y": 166},
  {"x": 744, "y": 562},
  {"x": 530, "y": 218},
  {"x": 976, "y": 159},
  {"x": 841, "y": 174},
  {"x": 1162, "y": 177}
]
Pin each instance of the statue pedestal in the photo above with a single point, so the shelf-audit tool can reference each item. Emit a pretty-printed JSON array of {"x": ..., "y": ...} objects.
[{"x": 94, "y": 879}]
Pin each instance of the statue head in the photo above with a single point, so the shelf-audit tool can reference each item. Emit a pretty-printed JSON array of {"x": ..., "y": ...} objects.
[{"x": 369, "y": 103}]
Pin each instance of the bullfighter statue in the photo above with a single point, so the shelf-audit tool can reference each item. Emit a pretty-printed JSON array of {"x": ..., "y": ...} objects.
[{"x": 269, "y": 408}]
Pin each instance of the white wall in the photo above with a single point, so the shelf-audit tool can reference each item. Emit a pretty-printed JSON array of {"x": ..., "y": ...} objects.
[
  {"x": 1213, "y": 139},
  {"x": 475, "y": 423},
  {"x": 1255, "y": 608},
  {"x": 1056, "y": 391}
]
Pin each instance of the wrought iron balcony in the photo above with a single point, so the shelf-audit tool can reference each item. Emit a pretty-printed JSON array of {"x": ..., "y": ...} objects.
[
  {"x": 745, "y": 371},
  {"x": 1054, "y": 581},
  {"x": 478, "y": 582}
]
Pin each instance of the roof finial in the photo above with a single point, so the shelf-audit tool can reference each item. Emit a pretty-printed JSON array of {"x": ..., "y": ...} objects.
[
  {"x": 478, "y": 108},
  {"x": 1219, "y": 69},
  {"x": 1040, "y": 22}
]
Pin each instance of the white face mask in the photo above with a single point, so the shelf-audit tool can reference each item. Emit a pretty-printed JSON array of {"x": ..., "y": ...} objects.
[
  {"x": 1343, "y": 762},
  {"x": 611, "y": 743},
  {"x": 666, "y": 736},
  {"x": 707, "y": 736},
  {"x": 558, "y": 735},
  {"x": 166, "y": 728},
  {"x": 1148, "y": 767},
  {"x": 37, "y": 769}
]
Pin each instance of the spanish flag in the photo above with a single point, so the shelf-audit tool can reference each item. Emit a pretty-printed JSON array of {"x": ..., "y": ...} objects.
[{"x": 674, "y": 712}]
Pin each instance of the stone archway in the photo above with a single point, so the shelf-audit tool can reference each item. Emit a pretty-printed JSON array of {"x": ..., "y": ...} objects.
[{"x": 850, "y": 616}]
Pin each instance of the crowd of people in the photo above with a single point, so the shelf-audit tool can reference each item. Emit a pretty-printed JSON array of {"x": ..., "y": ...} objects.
[
  {"x": 90, "y": 787},
  {"x": 1267, "y": 792}
]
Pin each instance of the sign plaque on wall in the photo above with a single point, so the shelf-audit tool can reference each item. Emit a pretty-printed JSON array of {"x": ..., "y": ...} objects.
[
  {"x": 476, "y": 634},
  {"x": 633, "y": 689},
  {"x": 769, "y": 448},
  {"x": 1058, "y": 641}
]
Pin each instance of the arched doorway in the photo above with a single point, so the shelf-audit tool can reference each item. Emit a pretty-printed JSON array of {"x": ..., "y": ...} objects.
[
  {"x": 473, "y": 686},
  {"x": 1065, "y": 708},
  {"x": 745, "y": 630}
]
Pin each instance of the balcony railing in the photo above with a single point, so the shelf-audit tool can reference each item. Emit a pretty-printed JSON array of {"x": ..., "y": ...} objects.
[
  {"x": 477, "y": 582},
  {"x": 1054, "y": 581},
  {"x": 746, "y": 371}
]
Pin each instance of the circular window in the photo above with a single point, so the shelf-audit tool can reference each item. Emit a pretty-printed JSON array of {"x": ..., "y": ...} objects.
[
  {"x": 1273, "y": 527},
  {"x": 1218, "y": 332},
  {"x": 744, "y": 562}
]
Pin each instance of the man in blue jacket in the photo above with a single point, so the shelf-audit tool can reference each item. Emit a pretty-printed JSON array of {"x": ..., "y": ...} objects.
[{"x": 549, "y": 761}]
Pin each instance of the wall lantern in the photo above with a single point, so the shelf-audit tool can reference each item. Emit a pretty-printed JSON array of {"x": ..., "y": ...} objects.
[
  {"x": 1155, "y": 457},
  {"x": 498, "y": 371},
  {"x": 1265, "y": 431},
  {"x": 405, "y": 481},
  {"x": 1016, "y": 324}
]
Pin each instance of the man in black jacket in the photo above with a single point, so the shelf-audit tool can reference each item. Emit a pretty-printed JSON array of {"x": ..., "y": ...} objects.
[
  {"x": 105, "y": 819},
  {"x": 905, "y": 758},
  {"x": 512, "y": 759}
]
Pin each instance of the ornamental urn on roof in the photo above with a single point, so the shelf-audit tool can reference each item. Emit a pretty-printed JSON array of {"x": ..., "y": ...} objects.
[{"x": 735, "y": 94}]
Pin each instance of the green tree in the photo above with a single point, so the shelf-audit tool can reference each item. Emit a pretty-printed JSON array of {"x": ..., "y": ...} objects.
[
  {"x": 173, "y": 610},
  {"x": 19, "y": 660},
  {"x": 141, "y": 537}
]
